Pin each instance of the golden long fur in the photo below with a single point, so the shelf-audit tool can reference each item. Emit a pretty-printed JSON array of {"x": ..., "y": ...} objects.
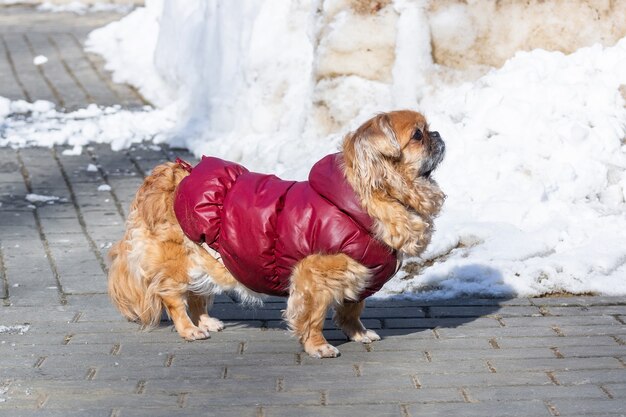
[{"x": 388, "y": 161}]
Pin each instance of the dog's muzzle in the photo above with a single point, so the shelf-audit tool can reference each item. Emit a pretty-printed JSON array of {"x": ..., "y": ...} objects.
[{"x": 437, "y": 150}]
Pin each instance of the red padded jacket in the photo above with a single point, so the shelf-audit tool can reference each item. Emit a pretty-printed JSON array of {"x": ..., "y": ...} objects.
[{"x": 262, "y": 225}]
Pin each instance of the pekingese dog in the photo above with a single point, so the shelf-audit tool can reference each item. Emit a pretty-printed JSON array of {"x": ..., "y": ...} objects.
[{"x": 331, "y": 241}]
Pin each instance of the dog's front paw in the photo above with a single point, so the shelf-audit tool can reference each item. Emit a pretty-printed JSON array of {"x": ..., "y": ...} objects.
[
  {"x": 322, "y": 351},
  {"x": 210, "y": 324},
  {"x": 192, "y": 333},
  {"x": 368, "y": 336}
]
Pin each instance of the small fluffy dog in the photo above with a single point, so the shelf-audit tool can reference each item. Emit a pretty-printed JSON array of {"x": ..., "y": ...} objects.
[{"x": 328, "y": 242}]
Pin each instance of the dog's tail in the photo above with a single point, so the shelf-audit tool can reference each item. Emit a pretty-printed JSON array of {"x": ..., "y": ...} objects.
[{"x": 136, "y": 284}]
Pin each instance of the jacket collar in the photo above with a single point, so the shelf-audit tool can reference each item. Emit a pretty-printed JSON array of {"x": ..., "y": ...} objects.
[{"x": 328, "y": 180}]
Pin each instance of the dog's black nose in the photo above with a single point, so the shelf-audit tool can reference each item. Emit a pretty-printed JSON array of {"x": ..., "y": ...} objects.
[{"x": 435, "y": 135}]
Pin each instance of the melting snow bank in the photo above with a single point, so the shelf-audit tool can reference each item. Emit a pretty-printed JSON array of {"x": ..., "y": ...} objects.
[
  {"x": 27, "y": 124},
  {"x": 536, "y": 180}
]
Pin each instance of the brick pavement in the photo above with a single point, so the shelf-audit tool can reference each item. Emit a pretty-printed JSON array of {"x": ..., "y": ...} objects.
[
  {"x": 72, "y": 77},
  {"x": 78, "y": 357}
]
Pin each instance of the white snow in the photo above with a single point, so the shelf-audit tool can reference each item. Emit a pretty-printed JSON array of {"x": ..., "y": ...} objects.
[
  {"x": 40, "y": 60},
  {"x": 75, "y": 151},
  {"x": 104, "y": 187},
  {"x": 92, "y": 168},
  {"x": 535, "y": 170},
  {"x": 16, "y": 329},
  {"x": 38, "y": 198},
  {"x": 40, "y": 124}
]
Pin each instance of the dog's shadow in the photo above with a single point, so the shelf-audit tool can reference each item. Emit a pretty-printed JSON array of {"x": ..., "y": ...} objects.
[{"x": 467, "y": 304}]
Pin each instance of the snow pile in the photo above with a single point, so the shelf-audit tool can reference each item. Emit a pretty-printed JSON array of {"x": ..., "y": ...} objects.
[
  {"x": 535, "y": 176},
  {"x": 536, "y": 165},
  {"x": 24, "y": 124}
]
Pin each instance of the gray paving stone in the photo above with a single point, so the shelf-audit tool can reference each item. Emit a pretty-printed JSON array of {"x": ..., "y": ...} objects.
[
  {"x": 253, "y": 399},
  {"x": 296, "y": 381},
  {"x": 334, "y": 411},
  {"x": 577, "y": 377},
  {"x": 12, "y": 186},
  {"x": 54, "y": 413},
  {"x": 585, "y": 352},
  {"x": 477, "y": 311},
  {"x": 208, "y": 411},
  {"x": 488, "y": 354},
  {"x": 420, "y": 365},
  {"x": 576, "y": 320},
  {"x": 358, "y": 396},
  {"x": 554, "y": 364},
  {"x": 493, "y": 302},
  {"x": 542, "y": 392},
  {"x": 408, "y": 342},
  {"x": 489, "y": 379},
  {"x": 588, "y": 407},
  {"x": 98, "y": 90},
  {"x": 526, "y": 408},
  {"x": 57, "y": 211},
  {"x": 34, "y": 84},
  {"x": 60, "y": 225},
  {"x": 371, "y": 311},
  {"x": 11, "y": 88},
  {"x": 82, "y": 284},
  {"x": 518, "y": 332},
  {"x": 421, "y": 323},
  {"x": 93, "y": 400},
  {"x": 106, "y": 218},
  {"x": 70, "y": 94},
  {"x": 607, "y": 310},
  {"x": 616, "y": 328},
  {"x": 585, "y": 341},
  {"x": 617, "y": 391}
]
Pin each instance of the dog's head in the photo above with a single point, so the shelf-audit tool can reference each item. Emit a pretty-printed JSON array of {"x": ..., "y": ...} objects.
[
  {"x": 398, "y": 142},
  {"x": 389, "y": 161}
]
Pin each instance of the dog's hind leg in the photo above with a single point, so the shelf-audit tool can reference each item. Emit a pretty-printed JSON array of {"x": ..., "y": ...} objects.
[
  {"x": 317, "y": 283},
  {"x": 348, "y": 318},
  {"x": 177, "y": 310},
  {"x": 198, "y": 309}
]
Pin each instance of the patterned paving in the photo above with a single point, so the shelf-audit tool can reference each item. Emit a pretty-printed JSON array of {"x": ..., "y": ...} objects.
[{"x": 64, "y": 350}]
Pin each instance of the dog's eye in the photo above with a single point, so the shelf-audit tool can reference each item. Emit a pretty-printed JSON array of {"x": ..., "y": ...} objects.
[{"x": 418, "y": 135}]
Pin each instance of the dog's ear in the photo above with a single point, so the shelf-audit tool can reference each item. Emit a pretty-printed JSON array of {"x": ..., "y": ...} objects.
[
  {"x": 369, "y": 153},
  {"x": 377, "y": 135}
]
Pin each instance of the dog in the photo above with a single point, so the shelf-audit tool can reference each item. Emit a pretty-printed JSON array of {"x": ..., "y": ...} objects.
[{"x": 328, "y": 242}]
